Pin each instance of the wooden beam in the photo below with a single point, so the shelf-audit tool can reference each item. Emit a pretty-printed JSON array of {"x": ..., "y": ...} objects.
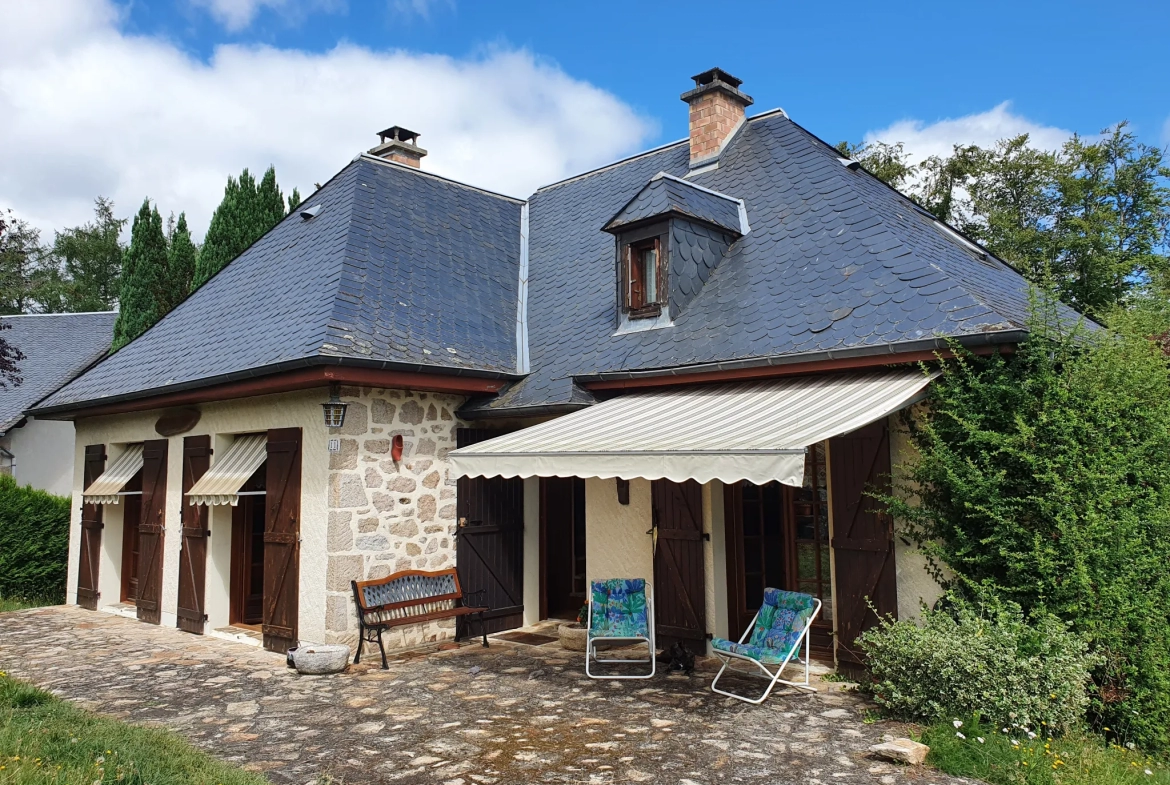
[
  {"x": 775, "y": 371},
  {"x": 301, "y": 379}
]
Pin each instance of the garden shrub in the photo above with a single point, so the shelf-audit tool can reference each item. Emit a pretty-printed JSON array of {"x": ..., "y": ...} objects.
[
  {"x": 34, "y": 542},
  {"x": 1044, "y": 479},
  {"x": 983, "y": 662}
]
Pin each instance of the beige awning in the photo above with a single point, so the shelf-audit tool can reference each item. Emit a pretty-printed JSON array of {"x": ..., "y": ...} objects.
[
  {"x": 104, "y": 490},
  {"x": 222, "y": 482},
  {"x": 754, "y": 431}
]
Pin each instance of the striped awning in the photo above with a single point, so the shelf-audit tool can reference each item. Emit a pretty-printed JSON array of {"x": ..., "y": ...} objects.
[
  {"x": 104, "y": 490},
  {"x": 755, "y": 431},
  {"x": 222, "y": 482}
]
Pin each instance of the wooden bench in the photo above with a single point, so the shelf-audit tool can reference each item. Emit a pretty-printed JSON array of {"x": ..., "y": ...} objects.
[{"x": 409, "y": 597}]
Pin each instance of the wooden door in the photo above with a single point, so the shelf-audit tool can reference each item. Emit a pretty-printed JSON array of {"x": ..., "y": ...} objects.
[
  {"x": 89, "y": 556},
  {"x": 759, "y": 549},
  {"x": 562, "y": 547},
  {"x": 193, "y": 556},
  {"x": 863, "y": 534},
  {"x": 489, "y": 543},
  {"x": 282, "y": 527},
  {"x": 151, "y": 531},
  {"x": 680, "y": 599},
  {"x": 131, "y": 521},
  {"x": 247, "y": 567}
]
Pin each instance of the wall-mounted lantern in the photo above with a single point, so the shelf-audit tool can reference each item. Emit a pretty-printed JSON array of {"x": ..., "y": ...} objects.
[{"x": 334, "y": 409}]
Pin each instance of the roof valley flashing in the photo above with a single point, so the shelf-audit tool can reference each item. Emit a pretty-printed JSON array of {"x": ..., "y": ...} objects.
[{"x": 405, "y": 271}]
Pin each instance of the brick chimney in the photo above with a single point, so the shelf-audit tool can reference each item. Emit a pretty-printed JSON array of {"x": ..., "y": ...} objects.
[
  {"x": 717, "y": 109},
  {"x": 398, "y": 144}
]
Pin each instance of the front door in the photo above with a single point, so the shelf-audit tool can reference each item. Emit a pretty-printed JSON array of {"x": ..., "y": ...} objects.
[
  {"x": 489, "y": 541},
  {"x": 680, "y": 600},
  {"x": 778, "y": 537},
  {"x": 562, "y": 530},
  {"x": 863, "y": 535}
]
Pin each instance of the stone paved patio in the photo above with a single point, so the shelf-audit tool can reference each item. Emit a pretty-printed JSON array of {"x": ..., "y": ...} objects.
[{"x": 528, "y": 714}]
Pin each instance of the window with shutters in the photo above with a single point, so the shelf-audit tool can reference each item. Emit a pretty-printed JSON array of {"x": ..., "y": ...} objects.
[{"x": 642, "y": 265}]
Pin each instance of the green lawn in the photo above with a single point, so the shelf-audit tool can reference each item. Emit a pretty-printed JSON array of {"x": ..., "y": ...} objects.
[
  {"x": 19, "y": 604},
  {"x": 47, "y": 741},
  {"x": 975, "y": 750}
]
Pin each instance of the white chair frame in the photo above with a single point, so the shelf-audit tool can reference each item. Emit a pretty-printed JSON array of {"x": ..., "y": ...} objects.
[
  {"x": 590, "y": 643},
  {"x": 774, "y": 677}
]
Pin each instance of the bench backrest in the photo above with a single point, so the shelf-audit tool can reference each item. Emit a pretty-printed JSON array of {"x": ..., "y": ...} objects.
[{"x": 402, "y": 593}]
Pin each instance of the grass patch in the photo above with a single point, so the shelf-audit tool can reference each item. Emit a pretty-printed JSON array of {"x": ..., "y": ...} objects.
[
  {"x": 47, "y": 741},
  {"x": 20, "y": 603},
  {"x": 1014, "y": 758}
]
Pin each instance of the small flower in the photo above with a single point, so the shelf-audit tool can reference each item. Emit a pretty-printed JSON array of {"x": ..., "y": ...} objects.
[
  {"x": 1031, "y": 735},
  {"x": 979, "y": 739},
  {"x": 1149, "y": 773},
  {"x": 960, "y": 735},
  {"x": 1015, "y": 743},
  {"x": 957, "y": 723}
]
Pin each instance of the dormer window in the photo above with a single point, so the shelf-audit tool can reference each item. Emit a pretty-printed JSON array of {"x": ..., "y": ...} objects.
[{"x": 644, "y": 276}]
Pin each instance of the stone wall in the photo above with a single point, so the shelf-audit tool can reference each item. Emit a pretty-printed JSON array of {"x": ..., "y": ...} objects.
[{"x": 387, "y": 516}]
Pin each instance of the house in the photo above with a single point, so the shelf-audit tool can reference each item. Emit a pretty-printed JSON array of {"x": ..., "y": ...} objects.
[
  {"x": 684, "y": 366},
  {"x": 56, "y": 348}
]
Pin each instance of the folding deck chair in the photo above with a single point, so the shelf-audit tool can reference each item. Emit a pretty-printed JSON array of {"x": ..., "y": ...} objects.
[
  {"x": 620, "y": 609},
  {"x": 776, "y": 632}
]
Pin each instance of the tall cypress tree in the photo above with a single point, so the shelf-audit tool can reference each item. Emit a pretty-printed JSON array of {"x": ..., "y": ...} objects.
[
  {"x": 248, "y": 210},
  {"x": 142, "y": 301},
  {"x": 181, "y": 260}
]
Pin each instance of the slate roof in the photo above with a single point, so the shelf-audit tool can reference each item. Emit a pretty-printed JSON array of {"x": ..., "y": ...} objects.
[
  {"x": 399, "y": 269},
  {"x": 56, "y": 348},
  {"x": 665, "y": 195},
  {"x": 836, "y": 263}
]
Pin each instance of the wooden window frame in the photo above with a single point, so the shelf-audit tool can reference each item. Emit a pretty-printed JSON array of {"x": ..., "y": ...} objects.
[{"x": 635, "y": 307}]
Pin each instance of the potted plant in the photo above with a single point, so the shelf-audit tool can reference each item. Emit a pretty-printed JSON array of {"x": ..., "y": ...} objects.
[{"x": 573, "y": 634}]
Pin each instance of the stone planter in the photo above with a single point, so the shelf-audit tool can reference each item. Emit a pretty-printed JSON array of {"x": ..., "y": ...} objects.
[
  {"x": 314, "y": 660},
  {"x": 573, "y": 636}
]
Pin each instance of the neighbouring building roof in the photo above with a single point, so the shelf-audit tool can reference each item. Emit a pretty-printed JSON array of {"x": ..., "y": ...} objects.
[
  {"x": 398, "y": 269},
  {"x": 56, "y": 347}
]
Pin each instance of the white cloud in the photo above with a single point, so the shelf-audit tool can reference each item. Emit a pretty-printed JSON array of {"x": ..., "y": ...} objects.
[
  {"x": 237, "y": 15},
  {"x": 923, "y": 140},
  {"x": 88, "y": 109}
]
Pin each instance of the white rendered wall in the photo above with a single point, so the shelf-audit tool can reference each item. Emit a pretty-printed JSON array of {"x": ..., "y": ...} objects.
[
  {"x": 532, "y": 586},
  {"x": 44, "y": 455},
  {"x": 915, "y": 584},
  {"x": 220, "y": 420}
]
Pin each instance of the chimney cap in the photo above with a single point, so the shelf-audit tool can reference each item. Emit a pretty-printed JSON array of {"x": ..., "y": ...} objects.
[
  {"x": 717, "y": 79},
  {"x": 397, "y": 133},
  {"x": 713, "y": 74}
]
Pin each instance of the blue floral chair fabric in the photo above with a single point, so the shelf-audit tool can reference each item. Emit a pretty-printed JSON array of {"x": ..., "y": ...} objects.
[
  {"x": 779, "y": 629},
  {"x": 619, "y": 609}
]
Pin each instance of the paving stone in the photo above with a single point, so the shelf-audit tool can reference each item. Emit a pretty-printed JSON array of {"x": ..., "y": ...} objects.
[{"x": 429, "y": 719}]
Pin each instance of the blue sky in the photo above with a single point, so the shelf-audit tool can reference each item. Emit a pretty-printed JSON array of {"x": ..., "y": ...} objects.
[
  {"x": 841, "y": 68},
  {"x": 162, "y": 99}
]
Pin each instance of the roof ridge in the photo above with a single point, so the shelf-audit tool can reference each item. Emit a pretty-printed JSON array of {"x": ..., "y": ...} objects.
[{"x": 412, "y": 170}]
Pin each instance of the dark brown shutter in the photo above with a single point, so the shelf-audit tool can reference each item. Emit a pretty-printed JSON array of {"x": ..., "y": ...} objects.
[
  {"x": 489, "y": 547},
  {"x": 91, "y": 531},
  {"x": 193, "y": 556},
  {"x": 282, "y": 526},
  {"x": 151, "y": 530},
  {"x": 863, "y": 534},
  {"x": 680, "y": 597}
]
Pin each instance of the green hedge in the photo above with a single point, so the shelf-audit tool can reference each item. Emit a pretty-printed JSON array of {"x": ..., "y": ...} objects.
[{"x": 34, "y": 542}]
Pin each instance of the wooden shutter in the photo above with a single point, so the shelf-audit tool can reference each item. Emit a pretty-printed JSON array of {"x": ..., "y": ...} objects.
[
  {"x": 282, "y": 526},
  {"x": 151, "y": 530},
  {"x": 680, "y": 597},
  {"x": 91, "y": 531},
  {"x": 863, "y": 534},
  {"x": 193, "y": 555},
  {"x": 489, "y": 546}
]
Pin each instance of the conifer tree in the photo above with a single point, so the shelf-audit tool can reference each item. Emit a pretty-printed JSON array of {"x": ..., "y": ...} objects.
[
  {"x": 144, "y": 275},
  {"x": 181, "y": 260},
  {"x": 248, "y": 210}
]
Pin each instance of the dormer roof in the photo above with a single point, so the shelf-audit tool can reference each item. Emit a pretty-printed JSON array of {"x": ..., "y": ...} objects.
[{"x": 667, "y": 195}]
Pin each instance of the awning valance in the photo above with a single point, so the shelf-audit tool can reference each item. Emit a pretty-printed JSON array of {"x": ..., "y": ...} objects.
[
  {"x": 222, "y": 482},
  {"x": 754, "y": 431},
  {"x": 104, "y": 490}
]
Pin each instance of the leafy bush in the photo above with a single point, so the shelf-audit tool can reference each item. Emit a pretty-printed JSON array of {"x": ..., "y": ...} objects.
[
  {"x": 1044, "y": 479},
  {"x": 34, "y": 542},
  {"x": 988, "y": 663}
]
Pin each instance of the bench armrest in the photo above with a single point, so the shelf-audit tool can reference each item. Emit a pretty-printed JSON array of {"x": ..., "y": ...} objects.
[{"x": 473, "y": 593}]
